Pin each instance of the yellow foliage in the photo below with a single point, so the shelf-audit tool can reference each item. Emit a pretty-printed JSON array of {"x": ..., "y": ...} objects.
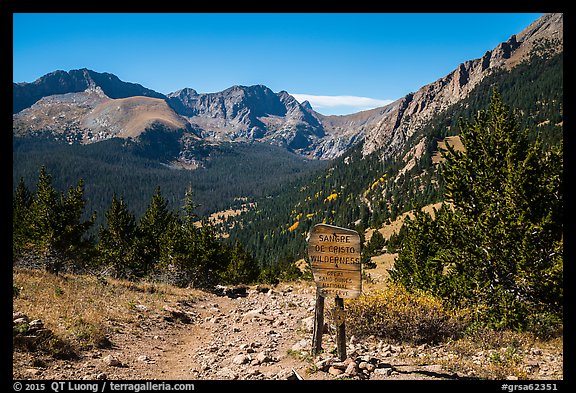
[
  {"x": 310, "y": 215},
  {"x": 331, "y": 197},
  {"x": 396, "y": 314},
  {"x": 380, "y": 180},
  {"x": 294, "y": 226}
]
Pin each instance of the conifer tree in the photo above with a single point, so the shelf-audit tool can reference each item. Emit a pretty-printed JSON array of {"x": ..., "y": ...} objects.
[
  {"x": 157, "y": 219},
  {"x": 116, "y": 239},
  {"x": 72, "y": 229},
  {"x": 21, "y": 202},
  {"x": 179, "y": 246},
  {"x": 242, "y": 267},
  {"x": 498, "y": 248},
  {"x": 55, "y": 225},
  {"x": 44, "y": 213}
]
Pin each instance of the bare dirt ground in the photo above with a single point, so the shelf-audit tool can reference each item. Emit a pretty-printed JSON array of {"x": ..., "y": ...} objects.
[{"x": 263, "y": 335}]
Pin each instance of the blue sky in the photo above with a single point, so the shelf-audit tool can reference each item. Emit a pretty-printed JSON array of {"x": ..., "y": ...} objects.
[{"x": 340, "y": 62}]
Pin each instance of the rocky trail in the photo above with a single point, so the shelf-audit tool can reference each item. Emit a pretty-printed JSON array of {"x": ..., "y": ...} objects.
[{"x": 262, "y": 334}]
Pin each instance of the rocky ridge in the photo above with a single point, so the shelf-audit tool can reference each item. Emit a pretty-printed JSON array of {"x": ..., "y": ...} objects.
[
  {"x": 256, "y": 113},
  {"x": 250, "y": 113},
  {"x": 407, "y": 115},
  {"x": 75, "y": 81}
]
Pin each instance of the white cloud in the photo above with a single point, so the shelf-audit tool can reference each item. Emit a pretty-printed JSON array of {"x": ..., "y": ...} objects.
[{"x": 349, "y": 104}]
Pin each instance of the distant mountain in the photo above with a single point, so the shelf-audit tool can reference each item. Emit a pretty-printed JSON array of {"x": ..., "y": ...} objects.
[
  {"x": 83, "y": 106},
  {"x": 250, "y": 113},
  {"x": 78, "y": 106},
  {"x": 91, "y": 116},
  {"x": 75, "y": 81}
]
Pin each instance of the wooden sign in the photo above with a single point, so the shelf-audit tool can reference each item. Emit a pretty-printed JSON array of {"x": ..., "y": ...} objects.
[{"x": 334, "y": 254}]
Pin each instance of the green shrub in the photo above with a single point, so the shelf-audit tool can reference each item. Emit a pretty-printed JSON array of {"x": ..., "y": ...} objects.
[{"x": 545, "y": 325}]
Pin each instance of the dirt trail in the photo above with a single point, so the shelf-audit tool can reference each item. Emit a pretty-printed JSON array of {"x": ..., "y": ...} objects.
[{"x": 262, "y": 335}]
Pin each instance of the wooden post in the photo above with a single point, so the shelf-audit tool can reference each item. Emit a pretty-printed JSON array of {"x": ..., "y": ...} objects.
[
  {"x": 340, "y": 329},
  {"x": 318, "y": 324}
]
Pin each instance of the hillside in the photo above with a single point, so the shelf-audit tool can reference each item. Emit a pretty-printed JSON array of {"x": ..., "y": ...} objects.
[
  {"x": 414, "y": 111},
  {"x": 384, "y": 176},
  {"x": 229, "y": 172},
  {"x": 75, "y": 81},
  {"x": 91, "y": 116}
]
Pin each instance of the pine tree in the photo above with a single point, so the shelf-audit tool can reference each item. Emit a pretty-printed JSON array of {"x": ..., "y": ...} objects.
[
  {"x": 56, "y": 226},
  {"x": 376, "y": 244},
  {"x": 21, "y": 203},
  {"x": 498, "y": 248},
  {"x": 213, "y": 257},
  {"x": 242, "y": 267},
  {"x": 179, "y": 246},
  {"x": 72, "y": 230},
  {"x": 44, "y": 214},
  {"x": 157, "y": 219},
  {"x": 116, "y": 239}
]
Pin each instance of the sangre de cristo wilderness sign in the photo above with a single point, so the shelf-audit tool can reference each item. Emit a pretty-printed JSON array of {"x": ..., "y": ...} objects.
[{"x": 334, "y": 254}]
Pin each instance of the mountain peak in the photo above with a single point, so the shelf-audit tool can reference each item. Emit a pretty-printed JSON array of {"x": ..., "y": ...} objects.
[
  {"x": 306, "y": 104},
  {"x": 75, "y": 81},
  {"x": 187, "y": 91}
]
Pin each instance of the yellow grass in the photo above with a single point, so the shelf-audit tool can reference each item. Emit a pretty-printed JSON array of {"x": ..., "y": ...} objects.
[
  {"x": 453, "y": 141},
  {"x": 82, "y": 309},
  {"x": 394, "y": 226},
  {"x": 133, "y": 114}
]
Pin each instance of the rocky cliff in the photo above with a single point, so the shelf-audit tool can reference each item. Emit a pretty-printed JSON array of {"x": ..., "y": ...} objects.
[
  {"x": 250, "y": 113},
  {"x": 407, "y": 115}
]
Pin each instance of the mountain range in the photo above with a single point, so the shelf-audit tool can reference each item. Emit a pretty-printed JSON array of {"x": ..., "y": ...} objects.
[{"x": 85, "y": 106}]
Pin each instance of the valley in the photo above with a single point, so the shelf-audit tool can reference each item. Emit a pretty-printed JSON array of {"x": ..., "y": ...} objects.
[{"x": 181, "y": 253}]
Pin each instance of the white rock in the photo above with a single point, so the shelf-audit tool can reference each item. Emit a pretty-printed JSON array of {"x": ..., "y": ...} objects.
[
  {"x": 351, "y": 369},
  {"x": 335, "y": 371},
  {"x": 145, "y": 359},
  {"x": 19, "y": 315},
  {"x": 387, "y": 371},
  {"x": 226, "y": 373},
  {"x": 240, "y": 359},
  {"x": 112, "y": 361},
  {"x": 308, "y": 323},
  {"x": 300, "y": 345},
  {"x": 263, "y": 357}
]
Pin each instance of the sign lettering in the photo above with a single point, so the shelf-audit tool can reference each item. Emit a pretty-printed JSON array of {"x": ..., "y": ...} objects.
[{"x": 334, "y": 254}]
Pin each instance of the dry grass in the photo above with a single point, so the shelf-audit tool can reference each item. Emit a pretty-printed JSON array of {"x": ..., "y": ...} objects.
[
  {"x": 394, "y": 315},
  {"x": 453, "y": 141},
  {"x": 133, "y": 114},
  {"x": 394, "y": 227},
  {"x": 498, "y": 354},
  {"x": 84, "y": 310}
]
